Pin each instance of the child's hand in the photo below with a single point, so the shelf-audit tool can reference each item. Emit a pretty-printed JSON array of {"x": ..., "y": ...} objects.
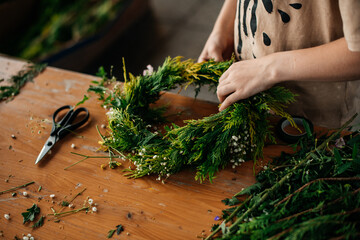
[
  {"x": 217, "y": 47},
  {"x": 244, "y": 79}
]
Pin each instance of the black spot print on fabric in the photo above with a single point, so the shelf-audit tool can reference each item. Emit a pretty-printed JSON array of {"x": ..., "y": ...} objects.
[
  {"x": 268, "y": 5},
  {"x": 296, "y": 5},
  {"x": 254, "y": 56},
  {"x": 253, "y": 20},
  {"x": 239, "y": 46},
  {"x": 266, "y": 39},
  {"x": 246, "y": 4},
  {"x": 284, "y": 16}
]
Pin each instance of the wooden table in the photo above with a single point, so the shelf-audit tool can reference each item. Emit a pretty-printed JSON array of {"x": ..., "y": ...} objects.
[{"x": 181, "y": 208}]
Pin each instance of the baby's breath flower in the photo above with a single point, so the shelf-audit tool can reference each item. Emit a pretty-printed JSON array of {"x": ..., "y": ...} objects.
[
  {"x": 52, "y": 195},
  {"x": 94, "y": 209},
  {"x": 25, "y": 194},
  {"x": 7, "y": 216},
  {"x": 90, "y": 201}
]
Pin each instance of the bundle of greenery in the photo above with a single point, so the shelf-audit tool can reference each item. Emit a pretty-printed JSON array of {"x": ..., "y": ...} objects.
[
  {"x": 234, "y": 135},
  {"x": 312, "y": 194}
]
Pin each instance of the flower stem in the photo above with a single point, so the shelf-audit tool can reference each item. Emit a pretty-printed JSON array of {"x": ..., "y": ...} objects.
[
  {"x": 57, "y": 215},
  {"x": 86, "y": 157},
  {"x": 14, "y": 188},
  {"x": 78, "y": 194}
]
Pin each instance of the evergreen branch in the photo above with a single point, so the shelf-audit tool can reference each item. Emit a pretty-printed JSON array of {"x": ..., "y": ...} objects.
[
  {"x": 316, "y": 209},
  {"x": 267, "y": 192},
  {"x": 19, "y": 80},
  {"x": 314, "y": 181},
  {"x": 233, "y": 214}
]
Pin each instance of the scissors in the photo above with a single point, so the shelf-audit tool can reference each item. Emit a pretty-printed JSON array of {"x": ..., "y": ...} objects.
[{"x": 63, "y": 127}]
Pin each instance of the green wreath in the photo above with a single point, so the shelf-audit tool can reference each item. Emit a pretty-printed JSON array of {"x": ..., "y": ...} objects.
[{"x": 234, "y": 135}]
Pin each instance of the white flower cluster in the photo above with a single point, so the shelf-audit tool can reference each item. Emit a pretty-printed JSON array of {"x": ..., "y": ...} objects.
[
  {"x": 91, "y": 203},
  {"x": 240, "y": 146},
  {"x": 28, "y": 237},
  {"x": 150, "y": 161}
]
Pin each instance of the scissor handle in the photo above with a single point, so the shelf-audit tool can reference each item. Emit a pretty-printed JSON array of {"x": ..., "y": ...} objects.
[{"x": 64, "y": 126}]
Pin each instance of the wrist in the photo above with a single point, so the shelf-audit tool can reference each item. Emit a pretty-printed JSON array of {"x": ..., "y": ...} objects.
[{"x": 280, "y": 67}]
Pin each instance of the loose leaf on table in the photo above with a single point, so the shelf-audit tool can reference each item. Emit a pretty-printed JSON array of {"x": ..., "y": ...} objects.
[
  {"x": 30, "y": 213},
  {"x": 111, "y": 233},
  {"x": 119, "y": 229},
  {"x": 39, "y": 223}
]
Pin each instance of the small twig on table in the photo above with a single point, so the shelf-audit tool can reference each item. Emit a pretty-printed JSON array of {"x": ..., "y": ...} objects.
[
  {"x": 14, "y": 188},
  {"x": 78, "y": 194}
]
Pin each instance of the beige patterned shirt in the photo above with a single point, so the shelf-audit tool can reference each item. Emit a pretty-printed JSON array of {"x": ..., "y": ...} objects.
[{"x": 263, "y": 27}]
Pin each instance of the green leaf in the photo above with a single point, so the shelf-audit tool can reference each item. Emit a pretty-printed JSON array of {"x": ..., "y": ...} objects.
[
  {"x": 85, "y": 98},
  {"x": 39, "y": 223},
  {"x": 355, "y": 150},
  {"x": 307, "y": 128},
  {"x": 111, "y": 233},
  {"x": 338, "y": 157},
  {"x": 30, "y": 213},
  {"x": 231, "y": 201},
  {"x": 101, "y": 72},
  {"x": 343, "y": 168},
  {"x": 119, "y": 229}
]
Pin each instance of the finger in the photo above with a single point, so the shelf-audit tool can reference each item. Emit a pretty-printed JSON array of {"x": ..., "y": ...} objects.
[
  {"x": 224, "y": 76},
  {"x": 224, "y": 91},
  {"x": 218, "y": 58},
  {"x": 228, "y": 101},
  {"x": 203, "y": 58}
]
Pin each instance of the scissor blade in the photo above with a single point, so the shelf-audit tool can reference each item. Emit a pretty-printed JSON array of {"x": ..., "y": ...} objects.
[{"x": 46, "y": 148}]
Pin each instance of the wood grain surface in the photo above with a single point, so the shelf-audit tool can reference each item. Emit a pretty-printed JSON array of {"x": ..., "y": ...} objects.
[{"x": 180, "y": 208}]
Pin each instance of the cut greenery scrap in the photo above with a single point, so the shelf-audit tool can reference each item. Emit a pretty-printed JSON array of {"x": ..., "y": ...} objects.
[
  {"x": 14, "y": 84},
  {"x": 312, "y": 194},
  {"x": 234, "y": 135}
]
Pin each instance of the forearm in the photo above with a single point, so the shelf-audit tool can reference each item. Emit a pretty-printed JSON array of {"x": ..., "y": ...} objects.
[
  {"x": 225, "y": 21},
  {"x": 328, "y": 62}
]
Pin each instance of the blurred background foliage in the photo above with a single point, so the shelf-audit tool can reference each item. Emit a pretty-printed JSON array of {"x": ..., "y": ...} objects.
[{"x": 56, "y": 24}]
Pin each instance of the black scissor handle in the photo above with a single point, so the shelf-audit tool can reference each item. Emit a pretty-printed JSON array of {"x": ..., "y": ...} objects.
[
  {"x": 62, "y": 122},
  {"x": 66, "y": 125}
]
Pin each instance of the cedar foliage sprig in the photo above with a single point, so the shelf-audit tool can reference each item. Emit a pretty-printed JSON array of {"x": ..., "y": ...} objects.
[
  {"x": 16, "y": 82},
  {"x": 233, "y": 135},
  {"x": 312, "y": 194}
]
